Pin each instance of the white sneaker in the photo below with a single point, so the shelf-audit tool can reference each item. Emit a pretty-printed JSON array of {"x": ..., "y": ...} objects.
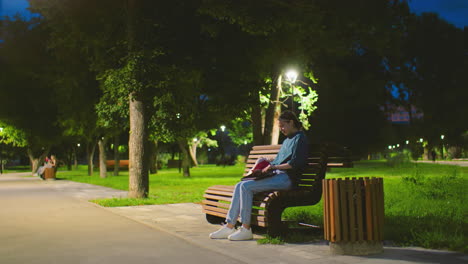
[
  {"x": 241, "y": 234},
  {"x": 224, "y": 232}
]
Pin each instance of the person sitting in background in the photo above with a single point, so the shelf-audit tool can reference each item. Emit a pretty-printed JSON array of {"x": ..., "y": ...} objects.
[{"x": 49, "y": 163}]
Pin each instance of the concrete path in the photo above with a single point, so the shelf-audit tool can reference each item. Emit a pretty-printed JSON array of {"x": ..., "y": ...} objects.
[
  {"x": 461, "y": 163},
  {"x": 52, "y": 222},
  {"x": 41, "y": 223}
]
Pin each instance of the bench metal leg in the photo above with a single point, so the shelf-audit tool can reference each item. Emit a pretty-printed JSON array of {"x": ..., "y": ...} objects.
[{"x": 275, "y": 226}]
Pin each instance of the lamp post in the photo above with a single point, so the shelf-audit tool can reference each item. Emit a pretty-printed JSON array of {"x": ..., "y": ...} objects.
[
  {"x": 223, "y": 153},
  {"x": 442, "y": 147},
  {"x": 292, "y": 76}
]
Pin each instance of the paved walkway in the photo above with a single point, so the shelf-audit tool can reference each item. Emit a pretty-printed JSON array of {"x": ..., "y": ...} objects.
[
  {"x": 461, "y": 163},
  {"x": 52, "y": 222}
]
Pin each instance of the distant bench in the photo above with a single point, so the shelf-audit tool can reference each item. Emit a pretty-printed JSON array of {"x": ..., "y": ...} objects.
[
  {"x": 338, "y": 156},
  {"x": 340, "y": 162},
  {"x": 122, "y": 164}
]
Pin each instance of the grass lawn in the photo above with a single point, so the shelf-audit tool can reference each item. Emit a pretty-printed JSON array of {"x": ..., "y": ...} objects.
[{"x": 424, "y": 203}]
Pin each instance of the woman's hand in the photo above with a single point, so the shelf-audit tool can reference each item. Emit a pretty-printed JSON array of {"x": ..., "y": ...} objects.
[{"x": 269, "y": 168}]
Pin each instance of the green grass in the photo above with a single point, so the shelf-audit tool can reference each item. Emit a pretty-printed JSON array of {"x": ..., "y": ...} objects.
[
  {"x": 167, "y": 186},
  {"x": 15, "y": 169},
  {"x": 424, "y": 203}
]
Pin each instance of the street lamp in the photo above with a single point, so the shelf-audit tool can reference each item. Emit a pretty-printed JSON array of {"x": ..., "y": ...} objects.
[
  {"x": 292, "y": 76},
  {"x": 442, "y": 149},
  {"x": 223, "y": 128}
]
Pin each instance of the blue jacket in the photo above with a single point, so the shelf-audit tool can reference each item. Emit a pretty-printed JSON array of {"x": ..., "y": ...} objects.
[{"x": 293, "y": 151}]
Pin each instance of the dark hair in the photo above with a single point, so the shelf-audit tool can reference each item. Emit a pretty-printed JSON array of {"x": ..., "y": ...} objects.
[{"x": 290, "y": 115}]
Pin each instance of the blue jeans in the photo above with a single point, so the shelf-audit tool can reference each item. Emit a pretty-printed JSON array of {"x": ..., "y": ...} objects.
[{"x": 244, "y": 191}]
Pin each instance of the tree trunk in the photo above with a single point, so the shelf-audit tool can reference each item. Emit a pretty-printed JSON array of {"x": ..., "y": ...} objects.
[
  {"x": 271, "y": 133},
  {"x": 75, "y": 159},
  {"x": 138, "y": 150},
  {"x": 185, "y": 156},
  {"x": 69, "y": 160},
  {"x": 116, "y": 155},
  {"x": 90, "y": 148},
  {"x": 193, "y": 153},
  {"x": 103, "y": 157},
  {"x": 257, "y": 124},
  {"x": 34, "y": 161},
  {"x": 153, "y": 160}
]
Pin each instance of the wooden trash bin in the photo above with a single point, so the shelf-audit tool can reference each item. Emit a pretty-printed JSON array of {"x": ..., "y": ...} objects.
[
  {"x": 354, "y": 215},
  {"x": 49, "y": 174}
]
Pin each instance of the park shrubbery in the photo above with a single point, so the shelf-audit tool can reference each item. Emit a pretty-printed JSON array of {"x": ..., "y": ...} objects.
[{"x": 424, "y": 203}]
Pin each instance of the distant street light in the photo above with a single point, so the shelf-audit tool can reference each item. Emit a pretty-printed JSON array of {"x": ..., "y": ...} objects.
[
  {"x": 421, "y": 140},
  {"x": 223, "y": 128},
  {"x": 442, "y": 149},
  {"x": 407, "y": 142}
]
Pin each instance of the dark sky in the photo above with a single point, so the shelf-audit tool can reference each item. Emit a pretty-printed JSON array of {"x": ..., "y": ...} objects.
[{"x": 454, "y": 11}]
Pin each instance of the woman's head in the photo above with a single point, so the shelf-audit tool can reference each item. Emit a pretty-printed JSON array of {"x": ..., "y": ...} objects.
[{"x": 289, "y": 123}]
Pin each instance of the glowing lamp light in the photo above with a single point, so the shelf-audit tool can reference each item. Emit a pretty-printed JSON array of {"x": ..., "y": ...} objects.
[
  {"x": 421, "y": 140},
  {"x": 223, "y": 128},
  {"x": 292, "y": 76},
  {"x": 407, "y": 142},
  {"x": 441, "y": 136},
  {"x": 78, "y": 145},
  {"x": 389, "y": 147}
]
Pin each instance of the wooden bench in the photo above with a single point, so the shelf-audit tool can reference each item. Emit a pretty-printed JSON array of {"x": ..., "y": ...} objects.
[
  {"x": 122, "y": 164},
  {"x": 50, "y": 173},
  {"x": 268, "y": 206},
  {"x": 340, "y": 162},
  {"x": 338, "y": 156}
]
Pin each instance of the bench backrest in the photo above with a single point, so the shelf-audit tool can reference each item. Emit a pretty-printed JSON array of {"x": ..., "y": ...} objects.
[{"x": 313, "y": 174}]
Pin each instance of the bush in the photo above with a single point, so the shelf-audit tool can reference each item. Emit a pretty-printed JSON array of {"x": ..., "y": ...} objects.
[{"x": 398, "y": 159}]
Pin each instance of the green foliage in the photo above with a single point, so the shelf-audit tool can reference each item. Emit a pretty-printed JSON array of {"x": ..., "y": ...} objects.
[
  {"x": 13, "y": 136},
  {"x": 398, "y": 159},
  {"x": 306, "y": 99},
  {"x": 240, "y": 131},
  {"x": 270, "y": 240}
]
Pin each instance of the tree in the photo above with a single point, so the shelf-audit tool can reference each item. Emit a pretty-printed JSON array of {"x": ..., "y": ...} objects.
[
  {"x": 24, "y": 54},
  {"x": 429, "y": 75}
]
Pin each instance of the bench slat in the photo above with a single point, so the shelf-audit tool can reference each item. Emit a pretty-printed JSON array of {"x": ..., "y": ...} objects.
[
  {"x": 222, "y": 188},
  {"x": 221, "y": 193},
  {"x": 219, "y": 198},
  {"x": 218, "y": 204},
  {"x": 258, "y": 147}
]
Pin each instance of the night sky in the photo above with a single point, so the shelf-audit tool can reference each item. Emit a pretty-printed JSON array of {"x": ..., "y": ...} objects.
[{"x": 454, "y": 11}]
